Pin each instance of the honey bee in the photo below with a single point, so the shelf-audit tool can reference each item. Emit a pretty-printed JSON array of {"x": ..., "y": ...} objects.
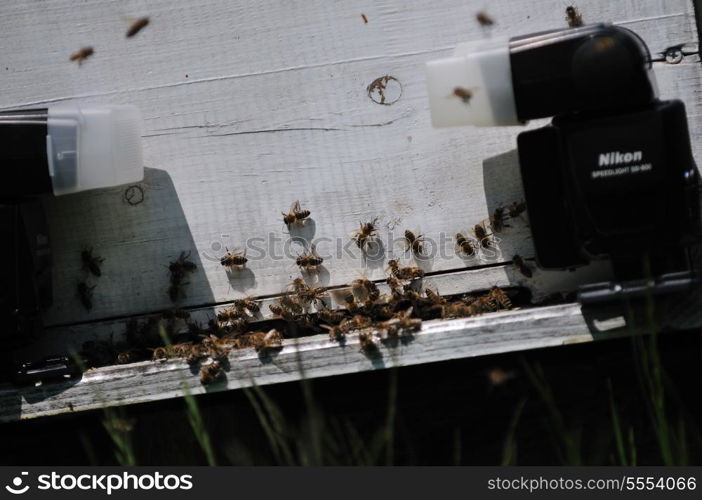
[
  {"x": 178, "y": 269},
  {"x": 182, "y": 350},
  {"x": 281, "y": 311},
  {"x": 404, "y": 273},
  {"x": 159, "y": 354},
  {"x": 230, "y": 314},
  {"x": 91, "y": 262},
  {"x": 270, "y": 341},
  {"x": 291, "y": 304},
  {"x": 182, "y": 265},
  {"x": 497, "y": 220},
  {"x": 500, "y": 298},
  {"x": 350, "y": 302},
  {"x": 127, "y": 357},
  {"x": 309, "y": 261},
  {"x": 85, "y": 294},
  {"x": 463, "y": 93},
  {"x": 82, "y": 54},
  {"x": 402, "y": 322},
  {"x": 484, "y": 19},
  {"x": 464, "y": 245},
  {"x": 413, "y": 242},
  {"x": 458, "y": 310},
  {"x": 381, "y": 311},
  {"x": 211, "y": 373},
  {"x": 295, "y": 215},
  {"x": 366, "y": 233},
  {"x": 234, "y": 259},
  {"x": 481, "y": 235},
  {"x": 216, "y": 349},
  {"x": 407, "y": 323},
  {"x": 248, "y": 304},
  {"x": 486, "y": 303},
  {"x": 521, "y": 266},
  {"x": 137, "y": 26},
  {"x": 357, "y": 322},
  {"x": 434, "y": 297},
  {"x": 331, "y": 317},
  {"x": 367, "y": 287},
  {"x": 515, "y": 209},
  {"x": 336, "y": 334},
  {"x": 306, "y": 293},
  {"x": 239, "y": 324},
  {"x": 395, "y": 286},
  {"x": 367, "y": 343},
  {"x": 573, "y": 17},
  {"x": 195, "y": 354}
]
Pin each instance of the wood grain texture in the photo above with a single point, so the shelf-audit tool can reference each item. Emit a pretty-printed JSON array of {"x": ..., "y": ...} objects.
[
  {"x": 249, "y": 106},
  {"x": 72, "y": 337},
  {"x": 310, "y": 357},
  {"x": 316, "y": 356}
]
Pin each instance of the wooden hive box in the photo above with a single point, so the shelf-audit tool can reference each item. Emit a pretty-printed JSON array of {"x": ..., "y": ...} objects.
[{"x": 250, "y": 106}]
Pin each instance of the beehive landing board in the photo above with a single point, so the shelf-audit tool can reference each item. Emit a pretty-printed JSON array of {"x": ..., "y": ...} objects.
[{"x": 250, "y": 106}]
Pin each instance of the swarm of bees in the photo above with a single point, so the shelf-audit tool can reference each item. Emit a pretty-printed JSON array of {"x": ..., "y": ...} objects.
[
  {"x": 369, "y": 313},
  {"x": 178, "y": 270},
  {"x": 408, "y": 273},
  {"x": 484, "y": 237},
  {"x": 303, "y": 308}
]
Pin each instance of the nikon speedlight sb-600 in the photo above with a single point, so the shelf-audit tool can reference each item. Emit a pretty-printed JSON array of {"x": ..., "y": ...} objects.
[{"x": 612, "y": 176}]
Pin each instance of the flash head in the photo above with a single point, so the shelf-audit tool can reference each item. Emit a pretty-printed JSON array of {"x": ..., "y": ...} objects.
[
  {"x": 508, "y": 82},
  {"x": 69, "y": 148},
  {"x": 612, "y": 176}
]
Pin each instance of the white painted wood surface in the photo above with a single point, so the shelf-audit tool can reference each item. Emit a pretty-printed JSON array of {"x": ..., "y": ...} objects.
[{"x": 249, "y": 106}]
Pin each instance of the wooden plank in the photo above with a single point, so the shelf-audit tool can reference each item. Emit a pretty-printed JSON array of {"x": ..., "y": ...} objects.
[
  {"x": 66, "y": 338},
  {"x": 310, "y": 357},
  {"x": 248, "y": 107},
  {"x": 316, "y": 356}
]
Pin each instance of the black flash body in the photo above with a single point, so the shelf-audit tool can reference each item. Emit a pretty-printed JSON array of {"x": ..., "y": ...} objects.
[{"x": 612, "y": 176}]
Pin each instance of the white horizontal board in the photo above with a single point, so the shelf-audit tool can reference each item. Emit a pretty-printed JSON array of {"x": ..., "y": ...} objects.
[
  {"x": 249, "y": 106},
  {"x": 310, "y": 357}
]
